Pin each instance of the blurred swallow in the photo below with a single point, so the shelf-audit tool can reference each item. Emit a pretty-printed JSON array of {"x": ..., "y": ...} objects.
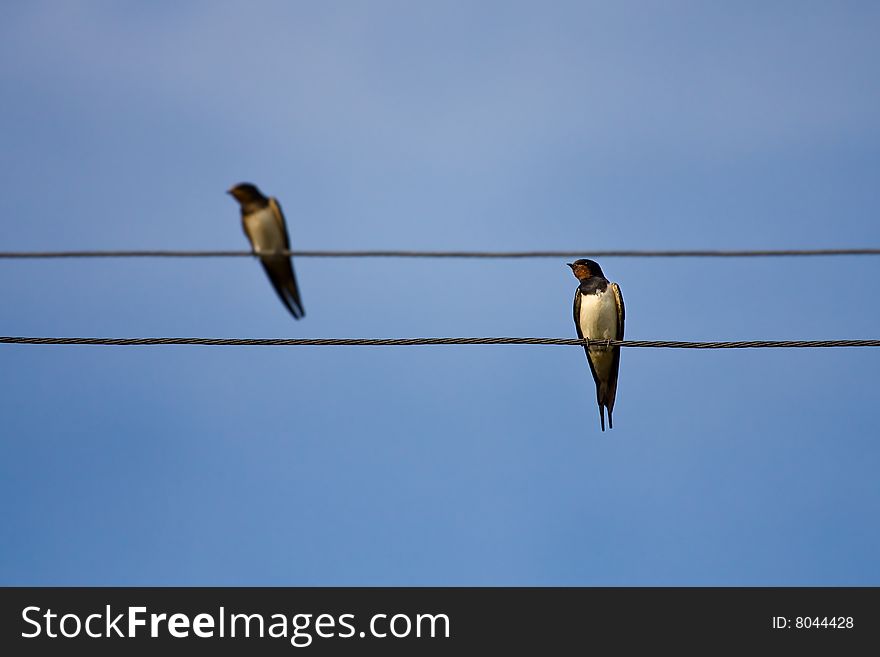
[
  {"x": 264, "y": 225},
  {"x": 599, "y": 315}
]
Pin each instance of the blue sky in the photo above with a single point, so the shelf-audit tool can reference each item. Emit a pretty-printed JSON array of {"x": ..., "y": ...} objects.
[{"x": 491, "y": 125}]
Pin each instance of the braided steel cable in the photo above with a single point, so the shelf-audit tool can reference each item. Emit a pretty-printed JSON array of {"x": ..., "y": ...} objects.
[{"x": 413, "y": 342}]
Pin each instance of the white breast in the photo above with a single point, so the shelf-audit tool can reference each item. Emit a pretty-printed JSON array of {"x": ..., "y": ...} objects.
[
  {"x": 598, "y": 321},
  {"x": 264, "y": 231},
  {"x": 598, "y": 317}
]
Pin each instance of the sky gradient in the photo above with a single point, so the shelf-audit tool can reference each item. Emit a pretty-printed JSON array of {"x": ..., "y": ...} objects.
[{"x": 453, "y": 125}]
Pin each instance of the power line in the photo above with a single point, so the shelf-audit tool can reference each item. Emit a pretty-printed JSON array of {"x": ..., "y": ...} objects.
[
  {"x": 628, "y": 253},
  {"x": 412, "y": 342}
]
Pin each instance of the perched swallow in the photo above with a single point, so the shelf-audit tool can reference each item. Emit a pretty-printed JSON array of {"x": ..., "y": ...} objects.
[
  {"x": 599, "y": 315},
  {"x": 264, "y": 225}
]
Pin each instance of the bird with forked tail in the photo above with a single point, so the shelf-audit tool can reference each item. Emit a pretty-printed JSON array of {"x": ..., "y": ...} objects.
[
  {"x": 264, "y": 225},
  {"x": 599, "y": 315}
]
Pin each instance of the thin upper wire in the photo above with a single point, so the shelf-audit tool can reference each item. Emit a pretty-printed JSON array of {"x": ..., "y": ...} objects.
[{"x": 626, "y": 253}]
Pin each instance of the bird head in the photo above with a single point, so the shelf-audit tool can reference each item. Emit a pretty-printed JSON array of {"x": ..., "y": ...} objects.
[
  {"x": 584, "y": 269},
  {"x": 246, "y": 193}
]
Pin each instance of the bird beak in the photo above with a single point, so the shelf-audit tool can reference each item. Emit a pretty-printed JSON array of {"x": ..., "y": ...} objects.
[{"x": 570, "y": 264}]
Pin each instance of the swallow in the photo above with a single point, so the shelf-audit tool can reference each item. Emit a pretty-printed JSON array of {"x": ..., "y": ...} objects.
[
  {"x": 264, "y": 225},
  {"x": 599, "y": 315}
]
